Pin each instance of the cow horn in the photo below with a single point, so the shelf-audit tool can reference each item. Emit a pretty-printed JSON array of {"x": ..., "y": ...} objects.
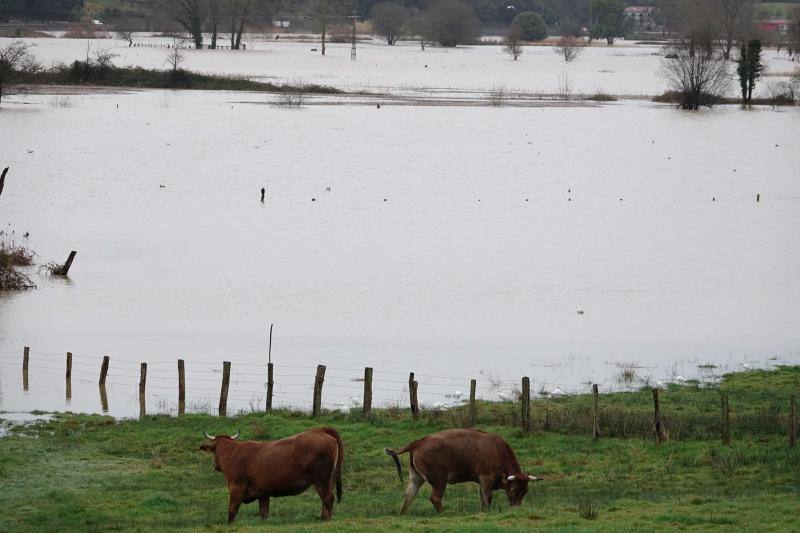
[
  {"x": 209, "y": 437},
  {"x": 234, "y": 437},
  {"x": 511, "y": 478},
  {"x": 534, "y": 478}
]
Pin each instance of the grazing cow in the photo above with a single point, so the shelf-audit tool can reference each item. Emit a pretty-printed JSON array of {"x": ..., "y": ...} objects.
[
  {"x": 460, "y": 455},
  {"x": 286, "y": 467}
]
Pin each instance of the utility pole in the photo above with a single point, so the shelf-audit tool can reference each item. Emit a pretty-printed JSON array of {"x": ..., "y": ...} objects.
[{"x": 353, "y": 17}]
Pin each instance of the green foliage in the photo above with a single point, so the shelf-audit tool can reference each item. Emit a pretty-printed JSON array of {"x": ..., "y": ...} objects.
[
  {"x": 608, "y": 20},
  {"x": 91, "y": 472},
  {"x": 749, "y": 68},
  {"x": 531, "y": 26}
]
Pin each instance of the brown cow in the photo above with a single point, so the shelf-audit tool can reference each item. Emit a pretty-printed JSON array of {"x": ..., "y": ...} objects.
[
  {"x": 286, "y": 467},
  {"x": 460, "y": 455}
]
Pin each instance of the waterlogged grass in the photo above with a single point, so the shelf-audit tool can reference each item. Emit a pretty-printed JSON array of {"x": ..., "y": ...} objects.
[{"x": 79, "y": 472}]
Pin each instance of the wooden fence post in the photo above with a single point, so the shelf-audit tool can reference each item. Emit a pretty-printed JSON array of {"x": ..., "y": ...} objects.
[
  {"x": 792, "y": 421},
  {"x": 223, "y": 394},
  {"x": 595, "y": 412},
  {"x": 473, "y": 413},
  {"x": 412, "y": 396},
  {"x": 64, "y": 270},
  {"x": 103, "y": 397},
  {"x": 319, "y": 379},
  {"x": 526, "y": 404},
  {"x": 658, "y": 424},
  {"x": 104, "y": 370},
  {"x": 367, "y": 392},
  {"x": 25, "y": 358},
  {"x": 181, "y": 387},
  {"x": 270, "y": 385},
  {"x": 69, "y": 376},
  {"x": 142, "y": 384},
  {"x": 726, "y": 420}
]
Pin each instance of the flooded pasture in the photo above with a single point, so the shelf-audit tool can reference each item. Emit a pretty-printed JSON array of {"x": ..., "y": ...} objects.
[{"x": 454, "y": 242}]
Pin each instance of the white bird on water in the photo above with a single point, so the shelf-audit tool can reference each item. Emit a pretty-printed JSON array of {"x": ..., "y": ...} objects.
[
  {"x": 557, "y": 392},
  {"x": 745, "y": 365}
]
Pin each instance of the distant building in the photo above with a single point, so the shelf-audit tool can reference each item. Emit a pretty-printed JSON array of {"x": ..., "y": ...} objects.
[
  {"x": 641, "y": 18},
  {"x": 780, "y": 26}
]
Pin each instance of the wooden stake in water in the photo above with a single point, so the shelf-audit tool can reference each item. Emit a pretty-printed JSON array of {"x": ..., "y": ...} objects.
[
  {"x": 367, "y": 412},
  {"x": 223, "y": 395},
  {"x": 69, "y": 376}
]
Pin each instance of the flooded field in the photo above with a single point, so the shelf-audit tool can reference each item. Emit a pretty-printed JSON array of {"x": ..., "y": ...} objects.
[
  {"x": 454, "y": 242},
  {"x": 622, "y": 69}
]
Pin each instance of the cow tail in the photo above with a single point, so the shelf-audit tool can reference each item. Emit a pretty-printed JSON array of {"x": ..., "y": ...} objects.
[
  {"x": 339, "y": 460},
  {"x": 393, "y": 454}
]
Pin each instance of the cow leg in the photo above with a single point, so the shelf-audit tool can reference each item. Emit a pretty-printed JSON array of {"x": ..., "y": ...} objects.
[
  {"x": 487, "y": 483},
  {"x": 415, "y": 481},
  {"x": 326, "y": 495},
  {"x": 437, "y": 493},
  {"x": 236, "y": 495},
  {"x": 263, "y": 507}
]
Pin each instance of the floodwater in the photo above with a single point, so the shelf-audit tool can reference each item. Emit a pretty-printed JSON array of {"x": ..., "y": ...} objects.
[
  {"x": 621, "y": 69},
  {"x": 455, "y": 242}
]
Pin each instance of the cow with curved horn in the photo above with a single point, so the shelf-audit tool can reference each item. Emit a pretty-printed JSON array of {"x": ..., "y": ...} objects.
[
  {"x": 287, "y": 467},
  {"x": 461, "y": 455}
]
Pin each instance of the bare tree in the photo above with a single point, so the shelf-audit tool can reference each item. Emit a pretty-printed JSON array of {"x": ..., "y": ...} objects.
[
  {"x": 323, "y": 13},
  {"x": 735, "y": 21},
  {"x": 127, "y": 36},
  {"x": 236, "y": 13},
  {"x": 175, "y": 58},
  {"x": 190, "y": 15},
  {"x": 570, "y": 47},
  {"x": 390, "y": 20},
  {"x": 16, "y": 66},
  {"x": 699, "y": 77},
  {"x": 213, "y": 19},
  {"x": 513, "y": 42}
]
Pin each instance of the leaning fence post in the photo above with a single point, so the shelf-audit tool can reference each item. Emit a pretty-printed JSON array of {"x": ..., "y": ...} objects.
[
  {"x": 726, "y": 420},
  {"x": 367, "y": 392},
  {"x": 142, "y": 383},
  {"x": 473, "y": 415},
  {"x": 526, "y": 404},
  {"x": 181, "y": 387},
  {"x": 319, "y": 379},
  {"x": 595, "y": 413},
  {"x": 103, "y": 397},
  {"x": 270, "y": 385},
  {"x": 223, "y": 395},
  {"x": 658, "y": 424},
  {"x": 25, "y": 357},
  {"x": 412, "y": 396},
  {"x": 792, "y": 421},
  {"x": 104, "y": 370}
]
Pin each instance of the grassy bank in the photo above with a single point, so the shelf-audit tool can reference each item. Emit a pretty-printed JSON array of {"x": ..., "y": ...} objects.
[
  {"x": 92, "y": 472},
  {"x": 93, "y": 74}
]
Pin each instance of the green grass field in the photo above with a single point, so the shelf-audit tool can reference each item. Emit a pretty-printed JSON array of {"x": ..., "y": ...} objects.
[{"x": 80, "y": 472}]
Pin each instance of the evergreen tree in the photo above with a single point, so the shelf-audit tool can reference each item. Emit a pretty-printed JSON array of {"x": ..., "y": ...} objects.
[{"x": 749, "y": 68}]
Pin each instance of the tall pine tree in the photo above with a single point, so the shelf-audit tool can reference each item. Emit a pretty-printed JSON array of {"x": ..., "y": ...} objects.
[{"x": 750, "y": 68}]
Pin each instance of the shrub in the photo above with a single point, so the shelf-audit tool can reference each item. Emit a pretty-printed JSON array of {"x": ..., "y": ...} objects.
[{"x": 531, "y": 25}]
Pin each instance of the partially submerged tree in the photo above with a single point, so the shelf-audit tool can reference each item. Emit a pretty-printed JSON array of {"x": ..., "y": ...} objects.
[
  {"x": 569, "y": 47},
  {"x": 389, "y": 19},
  {"x": 322, "y": 13},
  {"x": 236, "y": 13},
  {"x": 175, "y": 58},
  {"x": 451, "y": 22},
  {"x": 16, "y": 66},
  {"x": 698, "y": 78},
  {"x": 513, "y": 41},
  {"x": 531, "y": 26},
  {"x": 190, "y": 15},
  {"x": 125, "y": 35},
  {"x": 608, "y": 20},
  {"x": 749, "y": 68}
]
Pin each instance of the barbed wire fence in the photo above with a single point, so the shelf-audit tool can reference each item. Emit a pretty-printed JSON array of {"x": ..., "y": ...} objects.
[{"x": 589, "y": 408}]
